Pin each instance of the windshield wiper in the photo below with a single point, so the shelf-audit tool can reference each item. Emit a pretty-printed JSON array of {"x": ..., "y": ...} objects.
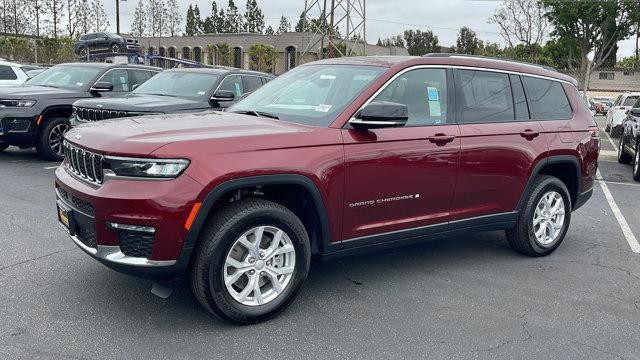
[{"x": 257, "y": 113}]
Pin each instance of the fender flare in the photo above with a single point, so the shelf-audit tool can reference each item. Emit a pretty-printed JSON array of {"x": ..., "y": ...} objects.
[
  {"x": 558, "y": 159},
  {"x": 278, "y": 179},
  {"x": 45, "y": 113}
]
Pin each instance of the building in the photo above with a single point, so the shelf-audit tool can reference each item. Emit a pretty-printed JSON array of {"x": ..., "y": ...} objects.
[{"x": 293, "y": 48}]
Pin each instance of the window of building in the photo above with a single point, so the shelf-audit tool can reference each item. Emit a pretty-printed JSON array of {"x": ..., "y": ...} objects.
[
  {"x": 547, "y": 98},
  {"x": 606, "y": 75},
  {"x": 186, "y": 53},
  {"x": 487, "y": 97},
  {"x": 197, "y": 54},
  {"x": 291, "y": 57},
  {"x": 172, "y": 52},
  {"x": 423, "y": 91},
  {"x": 628, "y": 73}
]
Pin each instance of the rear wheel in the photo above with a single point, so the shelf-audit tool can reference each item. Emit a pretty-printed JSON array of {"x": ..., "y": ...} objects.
[
  {"x": 115, "y": 48},
  {"x": 83, "y": 51},
  {"x": 49, "y": 145},
  {"x": 623, "y": 157},
  {"x": 251, "y": 261},
  {"x": 543, "y": 222}
]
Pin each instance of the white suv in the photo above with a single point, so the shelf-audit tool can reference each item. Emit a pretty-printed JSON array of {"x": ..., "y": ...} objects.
[
  {"x": 618, "y": 112},
  {"x": 16, "y": 74}
]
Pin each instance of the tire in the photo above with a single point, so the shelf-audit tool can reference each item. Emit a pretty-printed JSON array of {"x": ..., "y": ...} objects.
[
  {"x": 115, "y": 48},
  {"x": 220, "y": 240},
  {"x": 49, "y": 144},
  {"x": 83, "y": 51},
  {"x": 636, "y": 163},
  {"x": 523, "y": 238},
  {"x": 623, "y": 157}
]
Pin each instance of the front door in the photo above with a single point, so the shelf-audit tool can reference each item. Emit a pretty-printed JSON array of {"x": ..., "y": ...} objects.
[{"x": 403, "y": 178}]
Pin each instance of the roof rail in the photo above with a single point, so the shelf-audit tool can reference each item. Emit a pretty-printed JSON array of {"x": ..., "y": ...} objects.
[{"x": 489, "y": 58}]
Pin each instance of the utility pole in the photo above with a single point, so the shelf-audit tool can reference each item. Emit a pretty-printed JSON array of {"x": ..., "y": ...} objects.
[{"x": 118, "y": 17}]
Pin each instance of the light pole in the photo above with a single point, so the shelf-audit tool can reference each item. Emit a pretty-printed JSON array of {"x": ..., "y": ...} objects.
[{"x": 118, "y": 17}]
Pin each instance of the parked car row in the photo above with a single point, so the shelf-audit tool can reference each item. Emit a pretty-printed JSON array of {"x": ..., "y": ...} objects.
[
  {"x": 16, "y": 74},
  {"x": 39, "y": 112}
]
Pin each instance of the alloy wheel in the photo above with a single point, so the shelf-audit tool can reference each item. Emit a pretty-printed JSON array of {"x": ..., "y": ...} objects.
[
  {"x": 636, "y": 162},
  {"x": 56, "y": 137},
  {"x": 259, "y": 265},
  {"x": 548, "y": 218}
]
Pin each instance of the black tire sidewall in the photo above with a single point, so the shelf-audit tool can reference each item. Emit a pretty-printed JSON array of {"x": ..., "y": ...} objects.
[
  {"x": 4, "y": 147},
  {"x": 114, "y": 46},
  {"x": 636, "y": 171},
  {"x": 549, "y": 184},
  {"x": 42, "y": 146},
  {"x": 219, "y": 294}
]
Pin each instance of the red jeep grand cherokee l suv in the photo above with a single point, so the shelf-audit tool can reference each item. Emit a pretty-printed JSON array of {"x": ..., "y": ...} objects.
[{"x": 334, "y": 157}]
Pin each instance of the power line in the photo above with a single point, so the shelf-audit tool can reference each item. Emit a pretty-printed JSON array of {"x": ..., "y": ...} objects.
[{"x": 430, "y": 26}]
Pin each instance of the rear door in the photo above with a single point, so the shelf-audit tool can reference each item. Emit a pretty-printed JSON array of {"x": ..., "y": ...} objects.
[
  {"x": 499, "y": 144},
  {"x": 403, "y": 178}
]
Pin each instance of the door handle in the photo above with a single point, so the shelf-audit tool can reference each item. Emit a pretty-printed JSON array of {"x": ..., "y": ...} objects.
[
  {"x": 529, "y": 134},
  {"x": 441, "y": 139}
]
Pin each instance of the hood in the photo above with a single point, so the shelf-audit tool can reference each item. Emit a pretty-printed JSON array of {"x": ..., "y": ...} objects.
[
  {"x": 143, "y": 103},
  {"x": 211, "y": 132},
  {"x": 35, "y": 92}
]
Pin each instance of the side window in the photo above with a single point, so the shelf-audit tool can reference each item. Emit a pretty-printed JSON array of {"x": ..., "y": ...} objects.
[
  {"x": 138, "y": 77},
  {"x": 486, "y": 97},
  {"x": 233, "y": 83},
  {"x": 119, "y": 78},
  {"x": 424, "y": 91},
  {"x": 7, "y": 73},
  {"x": 252, "y": 83},
  {"x": 629, "y": 101},
  {"x": 547, "y": 98},
  {"x": 617, "y": 102},
  {"x": 519, "y": 99}
]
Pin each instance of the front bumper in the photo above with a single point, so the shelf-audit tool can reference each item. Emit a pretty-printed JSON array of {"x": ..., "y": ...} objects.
[
  {"x": 163, "y": 205},
  {"x": 18, "y": 129}
]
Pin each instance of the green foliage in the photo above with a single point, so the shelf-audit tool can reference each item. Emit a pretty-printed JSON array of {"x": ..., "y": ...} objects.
[
  {"x": 284, "y": 26},
  {"x": 223, "y": 53},
  {"x": 234, "y": 21},
  {"x": 262, "y": 57},
  {"x": 628, "y": 63},
  {"x": 467, "y": 42},
  {"x": 421, "y": 42},
  {"x": 269, "y": 31},
  {"x": 253, "y": 18},
  {"x": 397, "y": 40},
  {"x": 44, "y": 50}
]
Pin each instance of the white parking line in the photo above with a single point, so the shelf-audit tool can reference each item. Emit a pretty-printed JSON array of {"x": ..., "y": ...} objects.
[
  {"x": 619, "y": 183},
  {"x": 626, "y": 230},
  {"x": 51, "y": 167}
]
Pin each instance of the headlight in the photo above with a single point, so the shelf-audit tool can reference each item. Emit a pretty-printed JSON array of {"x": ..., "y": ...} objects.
[
  {"x": 145, "y": 168},
  {"x": 17, "y": 103}
]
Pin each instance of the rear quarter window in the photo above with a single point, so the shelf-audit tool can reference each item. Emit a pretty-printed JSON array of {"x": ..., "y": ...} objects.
[
  {"x": 7, "y": 73},
  {"x": 547, "y": 99}
]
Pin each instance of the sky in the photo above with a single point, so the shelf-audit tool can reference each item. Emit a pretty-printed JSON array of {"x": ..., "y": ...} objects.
[{"x": 385, "y": 18}]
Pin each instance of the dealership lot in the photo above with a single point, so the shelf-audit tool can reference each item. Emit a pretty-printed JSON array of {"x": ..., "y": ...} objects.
[{"x": 466, "y": 297}]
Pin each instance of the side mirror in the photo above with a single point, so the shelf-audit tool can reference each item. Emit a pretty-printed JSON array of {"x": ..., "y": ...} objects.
[
  {"x": 102, "y": 86},
  {"x": 223, "y": 95},
  {"x": 381, "y": 114}
]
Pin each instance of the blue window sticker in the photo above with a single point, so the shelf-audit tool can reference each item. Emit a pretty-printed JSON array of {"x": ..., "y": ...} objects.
[
  {"x": 238, "y": 91},
  {"x": 433, "y": 93}
]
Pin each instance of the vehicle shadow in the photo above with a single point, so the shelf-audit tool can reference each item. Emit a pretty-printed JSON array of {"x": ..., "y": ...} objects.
[{"x": 14, "y": 154}]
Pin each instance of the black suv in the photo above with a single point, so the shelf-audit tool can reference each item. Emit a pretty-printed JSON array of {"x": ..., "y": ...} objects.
[
  {"x": 174, "y": 91},
  {"x": 37, "y": 112},
  {"x": 104, "y": 41},
  {"x": 629, "y": 145}
]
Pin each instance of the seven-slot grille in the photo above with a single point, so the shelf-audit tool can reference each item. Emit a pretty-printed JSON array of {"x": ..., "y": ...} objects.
[
  {"x": 87, "y": 114},
  {"x": 84, "y": 163}
]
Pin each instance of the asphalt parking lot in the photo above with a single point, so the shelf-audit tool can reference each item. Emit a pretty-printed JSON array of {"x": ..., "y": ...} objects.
[{"x": 467, "y": 297}]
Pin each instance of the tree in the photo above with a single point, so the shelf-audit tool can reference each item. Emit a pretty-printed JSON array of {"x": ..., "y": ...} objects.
[
  {"x": 234, "y": 23},
  {"x": 629, "y": 63},
  {"x": 421, "y": 42},
  {"x": 83, "y": 17},
  {"x": 253, "y": 18},
  {"x": 72, "y": 16},
  {"x": 198, "y": 20},
  {"x": 221, "y": 25},
  {"x": 211, "y": 24},
  {"x": 595, "y": 26},
  {"x": 174, "y": 19},
  {"x": 37, "y": 11},
  {"x": 224, "y": 54},
  {"x": 55, "y": 8},
  {"x": 302, "y": 25},
  {"x": 521, "y": 21},
  {"x": 139, "y": 20},
  {"x": 467, "y": 42},
  {"x": 269, "y": 31},
  {"x": 285, "y": 25},
  {"x": 397, "y": 40},
  {"x": 156, "y": 15},
  {"x": 193, "y": 21},
  {"x": 262, "y": 57},
  {"x": 99, "y": 16},
  {"x": 379, "y": 43}
]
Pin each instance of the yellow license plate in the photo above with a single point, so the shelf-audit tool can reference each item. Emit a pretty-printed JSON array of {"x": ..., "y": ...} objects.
[{"x": 63, "y": 217}]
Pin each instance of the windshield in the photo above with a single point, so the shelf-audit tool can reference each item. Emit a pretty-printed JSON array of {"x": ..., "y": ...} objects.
[
  {"x": 65, "y": 76},
  {"x": 629, "y": 101},
  {"x": 179, "y": 84},
  {"x": 311, "y": 95}
]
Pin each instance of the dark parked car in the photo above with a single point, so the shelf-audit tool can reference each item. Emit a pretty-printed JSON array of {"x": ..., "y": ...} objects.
[
  {"x": 105, "y": 42},
  {"x": 174, "y": 91},
  {"x": 332, "y": 158},
  {"x": 37, "y": 112},
  {"x": 629, "y": 145}
]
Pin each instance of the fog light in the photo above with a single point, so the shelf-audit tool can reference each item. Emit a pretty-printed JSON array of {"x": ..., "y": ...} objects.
[{"x": 136, "y": 228}]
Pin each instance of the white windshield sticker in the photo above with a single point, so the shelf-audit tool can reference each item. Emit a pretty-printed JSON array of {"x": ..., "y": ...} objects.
[
  {"x": 327, "y": 77},
  {"x": 79, "y": 84},
  {"x": 201, "y": 92},
  {"x": 323, "y": 108}
]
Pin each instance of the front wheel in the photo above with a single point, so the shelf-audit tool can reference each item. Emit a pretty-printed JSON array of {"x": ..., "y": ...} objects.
[
  {"x": 544, "y": 220},
  {"x": 623, "y": 157},
  {"x": 50, "y": 141},
  {"x": 251, "y": 261},
  {"x": 115, "y": 48},
  {"x": 636, "y": 164}
]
